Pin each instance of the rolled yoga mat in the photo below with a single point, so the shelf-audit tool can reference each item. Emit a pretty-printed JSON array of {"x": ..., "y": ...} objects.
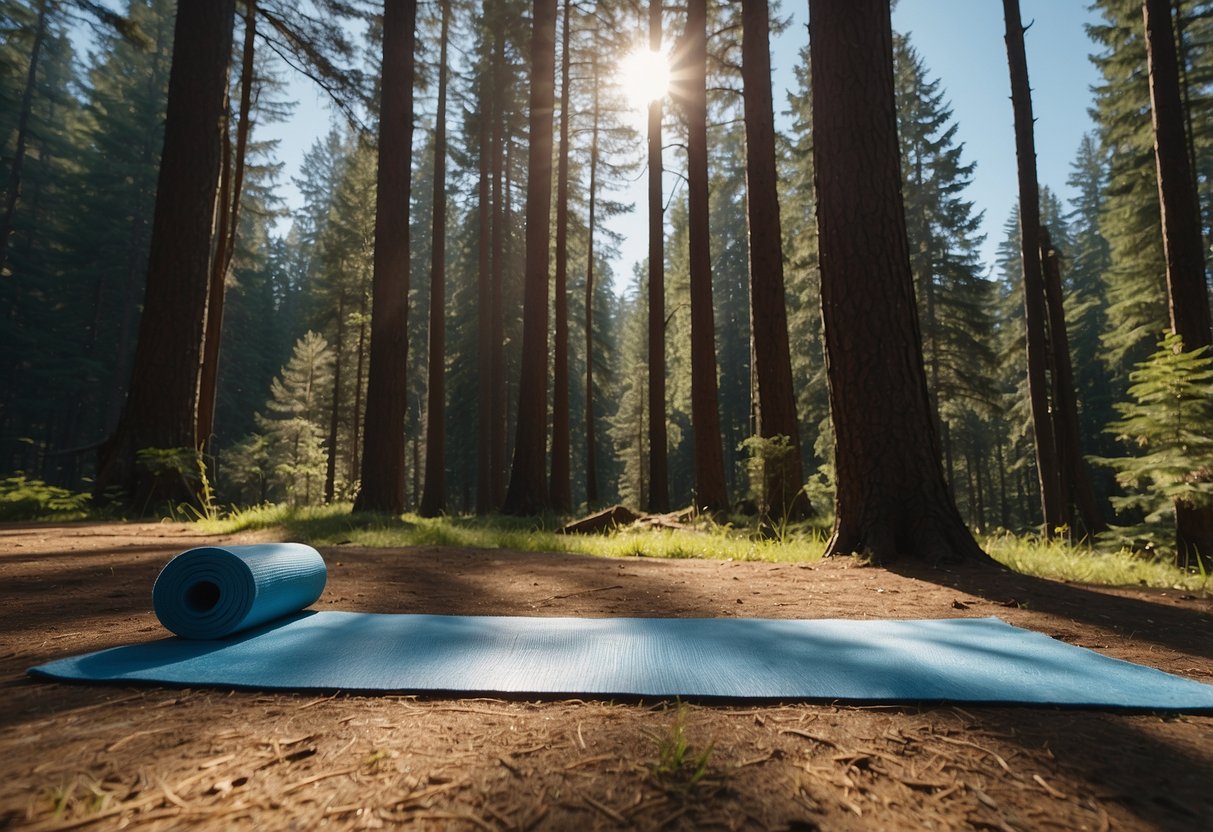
[
  {"x": 951, "y": 660},
  {"x": 212, "y": 592}
]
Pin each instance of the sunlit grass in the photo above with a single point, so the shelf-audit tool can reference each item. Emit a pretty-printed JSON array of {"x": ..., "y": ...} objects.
[
  {"x": 335, "y": 525},
  {"x": 1062, "y": 561}
]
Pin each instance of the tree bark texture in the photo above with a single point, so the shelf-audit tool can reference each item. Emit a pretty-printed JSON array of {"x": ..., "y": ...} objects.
[
  {"x": 1065, "y": 404},
  {"x": 231, "y": 188},
  {"x": 1183, "y": 245},
  {"x": 383, "y": 453},
  {"x": 561, "y": 490},
  {"x": 433, "y": 496},
  {"x": 783, "y": 477},
  {"x": 501, "y": 216},
  {"x": 484, "y": 320},
  {"x": 527, "y": 493},
  {"x": 891, "y": 499},
  {"x": 1047, "y": 466},
  {"x": 705, "y": 414},
  {"x": 591, "y": 441},
  {"x": 659, "y": 477},
  {"x": 161, "y": 407}
]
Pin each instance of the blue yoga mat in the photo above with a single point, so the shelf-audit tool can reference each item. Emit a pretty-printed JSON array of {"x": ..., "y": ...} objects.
[{"x": 956, "y": 660}]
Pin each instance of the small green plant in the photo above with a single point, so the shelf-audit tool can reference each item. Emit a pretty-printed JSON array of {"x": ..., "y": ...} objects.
[
  {"x": 1169, "y": 423},
  {"x": 26, "y": 499},
  {"x": 679, "y": 765}
]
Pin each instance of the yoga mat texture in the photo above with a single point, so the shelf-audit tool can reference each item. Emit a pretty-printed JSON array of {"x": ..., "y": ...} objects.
[
  {"x": 239, "y": 610},
  {"x": 212, "y": 592}
]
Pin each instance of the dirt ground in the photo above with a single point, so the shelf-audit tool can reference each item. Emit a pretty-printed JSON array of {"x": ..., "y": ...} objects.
[{"x": 97, "y": 757}]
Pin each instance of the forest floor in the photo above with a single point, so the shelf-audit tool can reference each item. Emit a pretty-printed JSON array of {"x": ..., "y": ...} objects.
[{"x": 97, "y": 757}]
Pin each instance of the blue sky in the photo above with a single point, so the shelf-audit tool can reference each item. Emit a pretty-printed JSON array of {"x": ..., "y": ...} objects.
[{"x": 962, "y": 44}]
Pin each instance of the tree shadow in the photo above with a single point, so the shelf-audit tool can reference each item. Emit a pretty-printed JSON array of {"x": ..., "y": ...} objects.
[{"x": 1178, "y": 628}]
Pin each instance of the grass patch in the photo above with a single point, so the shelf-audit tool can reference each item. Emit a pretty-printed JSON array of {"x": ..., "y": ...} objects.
[
  {"x": 335, "y": 525},
  {"x": 1061, "y": 561}
]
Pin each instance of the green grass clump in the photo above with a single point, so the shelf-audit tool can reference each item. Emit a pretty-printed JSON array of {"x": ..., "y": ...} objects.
[{"x": 1062, "y": 561}]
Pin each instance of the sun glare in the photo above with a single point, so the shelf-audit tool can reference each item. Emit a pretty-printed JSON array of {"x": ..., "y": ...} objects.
[{"x": 645, "y": 76}]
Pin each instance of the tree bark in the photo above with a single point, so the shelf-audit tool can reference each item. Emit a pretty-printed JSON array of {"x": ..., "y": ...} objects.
[
  {"x": 561, "y": 491},
  {"x": 433, "y": 496},
  {"x": 501, "y": 216},
  {"x": 891, "y": 499},
  {"x": 225, "y": 243},
  {"x": 659, "y": 483},
  {"x": 527, "y": 493},
  {"x": 161, "y": 407},
  {"x": 705, "y": 415},
  {"x": 1065, "y": 405},
  {"x": 1047, "y": 467},
  {"x": 591, "y": 442},
  {"x": 1183, "y": 246},
  {"x": 13, "y": 188},
  {"x": 783, "y": 477},
  {"x": 330, "y": 471},
  {"x": 382, "y": 488},
  {"x": 484, "y": 294}
]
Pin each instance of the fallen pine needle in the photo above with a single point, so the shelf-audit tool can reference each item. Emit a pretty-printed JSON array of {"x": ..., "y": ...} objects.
[
  {"x": 606, "y": 810},
  {"x": 797, "y": 732},
  {"x": 315, "y": 778},
  {"x": 1052, "y": 791}
]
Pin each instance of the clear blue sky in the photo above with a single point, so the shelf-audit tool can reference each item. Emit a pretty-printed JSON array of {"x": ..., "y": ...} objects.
[{"x": 961, "y": 42}]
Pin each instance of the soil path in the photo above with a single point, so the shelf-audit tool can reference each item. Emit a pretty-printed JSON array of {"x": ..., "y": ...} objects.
[{"x": 92, "y": 757}]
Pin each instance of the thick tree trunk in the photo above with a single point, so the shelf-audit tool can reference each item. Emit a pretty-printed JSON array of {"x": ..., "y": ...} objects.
[
  {"x": 705, "y": 415},
  {"x": 13, "y": 186},
  {"x": 225, "y": 244},
  {"x": 484, "y": 294},
  {"x": 433, "y": 497},
  {"x": 659, "y": 482},
  {"x": 561, "y": 490},
  {"x": 891, "y": 499},
  {"x": 783, "y": 479},
  {"x": 1048, "y": 469},
  {"x": 161, "y": 407},
  {"x": 1187, "y": 290},
  {"x": 527, "y": 493},
  {"x": 591, "y": 442},
  {"x": 387, "y": 388},
  {"x": 1065, "y": 405}
]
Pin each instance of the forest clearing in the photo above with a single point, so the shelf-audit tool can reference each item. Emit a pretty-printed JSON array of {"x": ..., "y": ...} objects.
[
  {"x": 103, "y": 757},
  {"x": 422, "y": 343}
]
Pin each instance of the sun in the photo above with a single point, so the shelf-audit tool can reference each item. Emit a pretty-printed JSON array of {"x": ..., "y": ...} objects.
[{"x": 644, "y": 76}]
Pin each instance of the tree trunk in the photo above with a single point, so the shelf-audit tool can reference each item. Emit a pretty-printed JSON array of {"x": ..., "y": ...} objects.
[
  {"x": 484, "y": 294},
  {"x": 527, "y": 493},
  {"x": 387, "y": 389},
  {"x": 161, "y": 406},
  {"x": 705, "y": 415},
  {"x": 501, "y": 217},
  {"x": 591, "y": 443},
  {"x": 230, "y": 191},
  {"x": 13, "y": 187},
  {"x": 891, "y": 499},
  {"x": 1187, "y": 290},
  {"x": 1047, "y": 467},
  {"x": 433, "y": 497},
  {"x": 1065, "y": 405},
  {"x": 783, "y": 479},
  {"x": 330, "y": 471},
  {"x": 561, "y": 490},
  {"x": 659, "y": 482}
]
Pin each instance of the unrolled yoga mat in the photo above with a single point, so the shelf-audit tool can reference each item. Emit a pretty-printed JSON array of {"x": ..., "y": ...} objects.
[{"x": 958, "y": 660}]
